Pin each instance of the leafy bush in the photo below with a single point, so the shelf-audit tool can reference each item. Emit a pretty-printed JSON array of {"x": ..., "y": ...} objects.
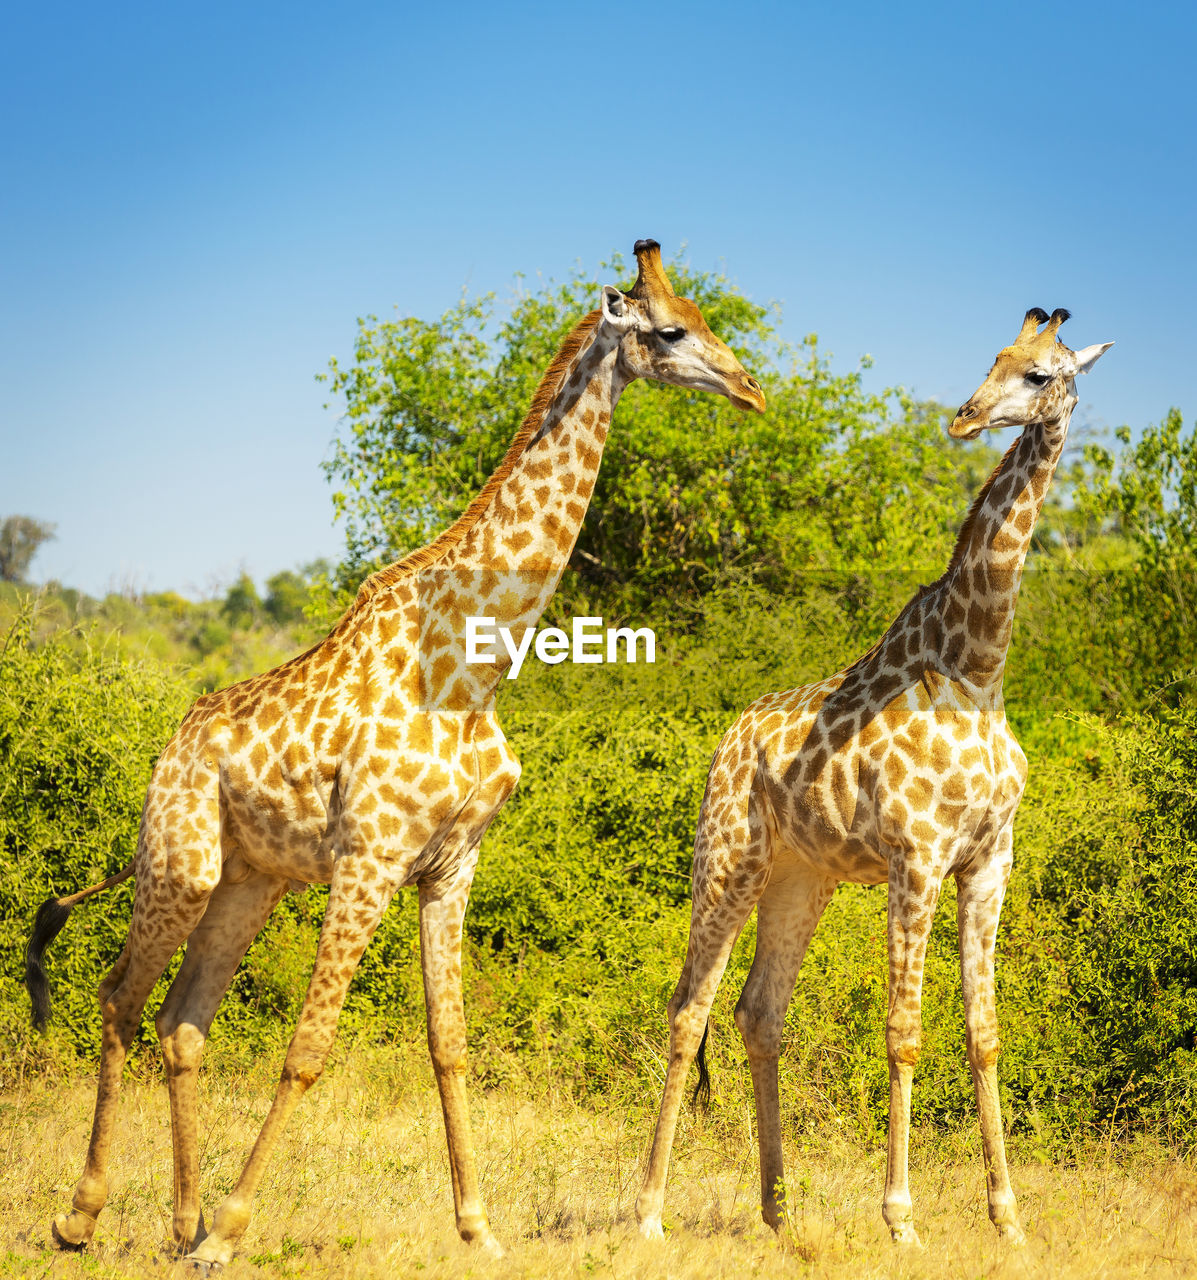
[
  {"x": 80, "y": 728},
  {"x": 577, "y": 923},
  {"x": 767, "y": 552}
]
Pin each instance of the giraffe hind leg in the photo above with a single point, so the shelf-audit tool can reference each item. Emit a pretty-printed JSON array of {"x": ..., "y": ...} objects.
[
  {"x": 787, "y": 915},
  {"x": 978, "y": 906},
  {"x": 442, "y": 909},
  {"x": 236, "y": 912},
  {"x": 717, "y": 916},
  {"x": 162, "y": 919},
  {"x": 908, "y": 929}
]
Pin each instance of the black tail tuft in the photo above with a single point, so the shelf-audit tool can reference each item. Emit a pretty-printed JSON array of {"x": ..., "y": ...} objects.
[
  {"x": 51, "y": 916},
  {"x": 702, "y": 1090}
]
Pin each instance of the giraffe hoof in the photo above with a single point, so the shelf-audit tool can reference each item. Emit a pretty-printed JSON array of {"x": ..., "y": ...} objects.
[
  {"x": 201, "y": 1266},
  {"x": 72, "y": 1231},
  {"x": 182, "y": 1245},
  {"x": 904, "y": 1234},
  {"x": 651, "y": 1229},
  {"x": 1011, "y": 1234},
  {"x": 491, "y": 1247}
]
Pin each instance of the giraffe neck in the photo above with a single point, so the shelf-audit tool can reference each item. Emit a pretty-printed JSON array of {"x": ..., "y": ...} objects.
[
  {"x": 979, "y": 592},
  {"x": 502, "y": 559},
  {"x": 511, "y": 558}
]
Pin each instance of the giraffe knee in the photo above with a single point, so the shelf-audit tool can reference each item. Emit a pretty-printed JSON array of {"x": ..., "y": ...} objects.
[
  {"x": 303, "y": 1071},
  {"x": 983, "y": 1050},
  {"x": 112, "y": 979},
  {"x": 761, "y": 1029},
  {"x": 686, "y": 1027},
  {"x": 182, "y": 1045},
  {"x": 120, "y": 1018},
  {"x": 448, "y": 1054},
  {"x": 304, "y": 1064},
  {"x": 903, "y": 1041}
]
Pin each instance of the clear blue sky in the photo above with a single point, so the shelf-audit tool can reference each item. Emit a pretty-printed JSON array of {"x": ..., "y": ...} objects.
[{"x": 198, "y": 200}]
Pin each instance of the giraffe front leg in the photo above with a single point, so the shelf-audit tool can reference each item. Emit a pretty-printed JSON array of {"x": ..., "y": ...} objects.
[
  {"x": 978, "y": 906},
  {"x": 442, "y": 910},
  {"x": 912, "y": 899}
]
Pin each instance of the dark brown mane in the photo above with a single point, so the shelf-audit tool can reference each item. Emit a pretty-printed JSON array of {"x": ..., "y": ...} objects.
[{"x": 546, "y": 393}]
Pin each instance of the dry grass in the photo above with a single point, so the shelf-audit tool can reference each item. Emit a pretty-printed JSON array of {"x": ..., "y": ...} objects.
[{"x": 361, "y": 1188}]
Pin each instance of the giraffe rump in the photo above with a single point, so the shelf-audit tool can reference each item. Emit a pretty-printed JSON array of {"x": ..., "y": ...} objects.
[{"x": 47, "y": 925}]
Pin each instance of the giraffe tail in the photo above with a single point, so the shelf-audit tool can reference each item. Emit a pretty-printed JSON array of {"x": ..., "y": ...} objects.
[
  {"x": 702, "y": 1090},
  {"x": 47, "y": 925}
]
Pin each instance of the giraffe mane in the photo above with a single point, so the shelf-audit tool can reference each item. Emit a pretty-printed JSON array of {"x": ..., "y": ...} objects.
[{"x": 546, "y": 392}]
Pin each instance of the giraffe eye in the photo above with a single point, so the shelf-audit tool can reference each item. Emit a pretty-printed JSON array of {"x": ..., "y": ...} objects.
[
  {"x": 1037, "y": 378},
  {"x": 672, "y": 334}
]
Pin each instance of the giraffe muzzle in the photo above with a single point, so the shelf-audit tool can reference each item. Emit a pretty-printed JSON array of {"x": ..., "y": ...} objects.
[
  {"x": 964, "y": 424},
  {"x": 745, "y": 393}
]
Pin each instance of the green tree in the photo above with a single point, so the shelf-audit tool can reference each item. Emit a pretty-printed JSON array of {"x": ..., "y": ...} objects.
[
  {"x": 242, "y": 605},
  {"x": 834, "y": 478},
  {"x": 286, "y": 595},
  {"x": 20, "y": 538},
  {"x": 289, "y": 592},
  {"x": 1145, "y": 500},
  {"x": 1149, "y": 493}
]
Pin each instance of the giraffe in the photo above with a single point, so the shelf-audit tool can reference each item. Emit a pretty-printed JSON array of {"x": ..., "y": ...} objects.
[
  {"x": 899, "y": 770},
  {"x": 371, "y": 762}
]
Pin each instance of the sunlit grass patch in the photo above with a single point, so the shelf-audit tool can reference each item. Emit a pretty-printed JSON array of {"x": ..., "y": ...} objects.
[{"x": 360, "y": 1187}]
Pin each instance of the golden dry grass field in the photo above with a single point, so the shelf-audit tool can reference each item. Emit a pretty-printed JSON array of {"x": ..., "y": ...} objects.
[{"x": 361, "y": 1188}]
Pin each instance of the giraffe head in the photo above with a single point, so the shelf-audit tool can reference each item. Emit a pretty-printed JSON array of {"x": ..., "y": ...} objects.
[
  {"x": 1032, "y": 380},
  {"x": 665, "y": 337}
]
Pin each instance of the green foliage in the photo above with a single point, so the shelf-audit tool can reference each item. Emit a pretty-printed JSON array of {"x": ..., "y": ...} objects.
[
  {"x": 286, "y": 597},
  {"x": 201, "y": 637},
  {"x": 80, "y": 728},
  {"x": 767, "y": 552},
  {"x": 1131, "y": 912},
  {"x": 1146, "y": 500},
  {"x": 1149, "y": 494}
]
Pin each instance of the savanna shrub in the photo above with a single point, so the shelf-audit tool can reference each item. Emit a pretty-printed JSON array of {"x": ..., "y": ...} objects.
[{"x": 577, "y": 923}]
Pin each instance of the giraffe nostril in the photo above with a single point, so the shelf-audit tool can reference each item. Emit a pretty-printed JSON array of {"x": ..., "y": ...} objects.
[{"x": 967, "y": 411}]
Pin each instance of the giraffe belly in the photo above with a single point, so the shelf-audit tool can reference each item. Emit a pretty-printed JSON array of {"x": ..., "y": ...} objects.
[
  {"x": 868, "y": 805},
  {"x": 850, "y": 860},
  {"x": 281, "y": 835},
  {"x": 835, "y": 836}
]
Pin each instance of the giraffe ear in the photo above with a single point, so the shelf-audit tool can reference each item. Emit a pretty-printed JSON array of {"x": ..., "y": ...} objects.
[
  {"x": 1087, "y": 357},
  {"x": 615, "y": 307}
]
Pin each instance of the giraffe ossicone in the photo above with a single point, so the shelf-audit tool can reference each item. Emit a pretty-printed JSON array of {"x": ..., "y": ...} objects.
[
  {"x": 370, "y": 762},
  {"x": 899, "y": 770}
]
